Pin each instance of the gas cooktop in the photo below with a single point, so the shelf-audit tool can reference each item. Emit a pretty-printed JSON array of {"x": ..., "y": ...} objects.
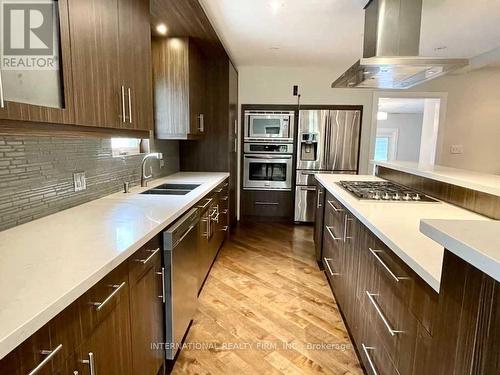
[{"x": 384, "y": 191}]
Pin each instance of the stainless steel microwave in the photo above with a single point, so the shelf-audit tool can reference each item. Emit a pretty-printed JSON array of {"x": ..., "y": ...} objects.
[{"x": 269, "y": 126}]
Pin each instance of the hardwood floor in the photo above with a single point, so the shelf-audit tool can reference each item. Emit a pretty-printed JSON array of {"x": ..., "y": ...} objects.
[{"x": 266, "y": 308}]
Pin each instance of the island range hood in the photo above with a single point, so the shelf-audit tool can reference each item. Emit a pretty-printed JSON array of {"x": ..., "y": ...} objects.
[{"x": 391, "y": 50}]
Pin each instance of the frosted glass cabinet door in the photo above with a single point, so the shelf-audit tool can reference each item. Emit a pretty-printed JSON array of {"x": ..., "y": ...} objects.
[{"x": 34, "y": 50}]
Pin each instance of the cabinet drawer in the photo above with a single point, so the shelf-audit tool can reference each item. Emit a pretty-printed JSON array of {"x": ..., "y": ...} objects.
[
  {"x": 375, "y": 358},
  {"x": 99, "y": 301},
  {"x": 396, "y": 328},
  {"x": 334, "y": 216},
  {"x": 332, "y": 261},
  {"x": 142, "y": 260}
]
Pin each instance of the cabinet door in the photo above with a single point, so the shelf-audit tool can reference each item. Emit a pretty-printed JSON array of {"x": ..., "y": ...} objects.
[
  {"x": 197, "y": 90},
  {"x": 135, "y": 63},
  {"x": 95, "y": 62},
  {"x": 147, "y": 318},
  {"x": 318, "y": 221},
  {"x": 41, "y": 95},
  {"x": 108, "y": 348}
]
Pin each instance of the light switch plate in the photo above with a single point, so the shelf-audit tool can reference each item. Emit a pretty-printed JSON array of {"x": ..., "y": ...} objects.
[{"x": 79, "y": 181}]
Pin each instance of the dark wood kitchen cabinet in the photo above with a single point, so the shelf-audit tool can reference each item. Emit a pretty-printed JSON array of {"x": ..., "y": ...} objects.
[
  {"x": 23, "y": 98},
  {"x": 318, "y": 221},
  {"x": 146, "y": 308},
  {"x": 110, "y": 40},
  {"x": 179, "y": 81}
]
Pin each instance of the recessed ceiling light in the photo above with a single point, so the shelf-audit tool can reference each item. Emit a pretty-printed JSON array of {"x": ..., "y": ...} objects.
[
  {"x": 162, "y": 29},
  {"x": 276, "y": 5}
]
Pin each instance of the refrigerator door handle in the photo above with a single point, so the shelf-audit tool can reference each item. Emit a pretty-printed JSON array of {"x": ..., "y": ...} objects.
[{"x": 326, "y": 155}]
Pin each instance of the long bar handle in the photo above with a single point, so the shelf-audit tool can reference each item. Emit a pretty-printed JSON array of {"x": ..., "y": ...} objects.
[
  {"x": 347, "y": 219},
  {"x": 267, "y": 203},
  {"x": 335, "y": 208},
  {"x": 184, "y": 235},
  {"x": 329, "y": 229},
  {"x": 209, "y": 200},
  {"x": 201, "y": 123},
  {"x": 224, "y": 228},
  {"x": 307, "y": 188},
  {"x": 370, "y": 361},
  {"x": 327, "y": 262},
  {"x": 386, "y": 267},
  {"x": 162, "y": 274},
  {"x": 129, "y": 105},
  {"x": 50, "y": 354},
  {"x": 124, "y": 112},
  {"x": 319, "y": 198},
  {"x": 153, "y": 253},
  {"x": 381, "y": 314},
  {"x": 91, "y": 363},
  {"x": 117, "y": 288},
  {"x": 224, "y": 198}
]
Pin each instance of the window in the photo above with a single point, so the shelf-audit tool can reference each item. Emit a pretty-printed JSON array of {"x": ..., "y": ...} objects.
[
  {"x": 382, "y": 149},
  {"x": 125, "y": 146}
]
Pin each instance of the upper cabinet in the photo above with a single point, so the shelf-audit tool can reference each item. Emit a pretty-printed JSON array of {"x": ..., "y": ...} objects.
[
  {"x": 179, "y": 88},
  {"x": 111, "y": 63},
  {"x": 89, "y": 63},
  {"x": 35, "y": 72}
]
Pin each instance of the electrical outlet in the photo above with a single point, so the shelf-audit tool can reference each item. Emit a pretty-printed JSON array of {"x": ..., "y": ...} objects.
[
  {"x": 457, "y": 149},
  {"x": 79, "y": 181}
]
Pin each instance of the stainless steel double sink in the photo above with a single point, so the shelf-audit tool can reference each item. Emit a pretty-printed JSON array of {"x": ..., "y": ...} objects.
[{"x": 171, "y": 189}]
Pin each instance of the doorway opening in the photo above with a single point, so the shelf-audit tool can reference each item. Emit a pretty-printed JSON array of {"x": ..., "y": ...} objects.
[{"x": 406, "y": 127}]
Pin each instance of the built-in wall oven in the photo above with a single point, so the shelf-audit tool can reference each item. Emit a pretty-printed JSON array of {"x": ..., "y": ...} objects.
[
  {"x": 267, "y": 166},
  {"x": 269, "y": 125}
]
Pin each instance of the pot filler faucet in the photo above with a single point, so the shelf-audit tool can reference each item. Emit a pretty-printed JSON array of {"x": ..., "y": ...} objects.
[{"x": 145, "y": 178}]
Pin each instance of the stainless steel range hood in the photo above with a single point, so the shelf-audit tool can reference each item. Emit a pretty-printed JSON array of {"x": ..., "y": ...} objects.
[{"x": 391, "y": 47}]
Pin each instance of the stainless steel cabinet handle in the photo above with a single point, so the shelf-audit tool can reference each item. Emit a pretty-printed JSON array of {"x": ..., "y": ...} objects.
[
  {"x": 91, "y": 363},
  {"x": 347, "y": 219},
  {"x": 153, "y": 253},
  {"x": 162, "y": 274},
  {"x": 225, "y": 185},
  {"x": 319, "y": 198},
  {"x": 209, "y": 200},
  {"x": 224, "y": 212},
  {"x": 381, "y": 314},
  {"x": 370, "y": 361},
  {"x": 335, "y": 208},
  {"x": 267, "y": 203},
  {"x": 224, "y": 198},
  {"x": 116, "y": 288},
  {"x": 50, "y": 354},
  {"x": 124, "y": 113},
  {"x": 224, "y": 228},
  {"x": 2, "y": 104},
  {"x": 308, "y": 188},
  {"x": 201, "y": 123},
  {"x": 129, "y": 105},
  {"x": 184, "y": 235},
  {"x": 327, "y": 262},
  {"x": 329, "y": 229},
  {"x": 218, "y": 190},
  {"x": 386, "y": 267}
]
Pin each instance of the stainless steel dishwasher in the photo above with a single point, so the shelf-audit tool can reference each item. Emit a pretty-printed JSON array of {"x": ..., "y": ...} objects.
[{"x": 180, "y": 243}]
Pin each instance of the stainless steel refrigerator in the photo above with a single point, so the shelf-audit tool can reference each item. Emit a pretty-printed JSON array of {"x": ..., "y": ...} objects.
[{"x": 327, "y": 142}]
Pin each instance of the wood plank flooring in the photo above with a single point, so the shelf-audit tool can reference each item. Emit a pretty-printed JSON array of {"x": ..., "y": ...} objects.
[{"x": 266, "y": 308}]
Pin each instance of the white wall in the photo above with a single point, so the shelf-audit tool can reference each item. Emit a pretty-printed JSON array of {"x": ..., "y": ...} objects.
[
  {"x": 409, "y": 126},
  {"x": 273, "y": 85},
  {"x": 472, "y": 119}
]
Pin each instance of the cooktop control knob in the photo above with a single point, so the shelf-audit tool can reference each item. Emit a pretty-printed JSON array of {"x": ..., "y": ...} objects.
[
  {"x": 416, "y": 197},
  {"x": 396, "y": 197},
  {"x": 407, "y": 197},
  {"x": 386, "y": 196}
]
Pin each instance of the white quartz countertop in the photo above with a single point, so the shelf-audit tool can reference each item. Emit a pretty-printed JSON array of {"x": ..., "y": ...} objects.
[
  {"x": 478, "y": 243},
  {"x": 486, "y": 183},
  {"x": 47, "y": 264},
  {"x": 397, "y": 224}
]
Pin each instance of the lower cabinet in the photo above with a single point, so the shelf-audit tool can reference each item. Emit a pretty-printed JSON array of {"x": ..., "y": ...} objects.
[
  {"x": 318, "y": 221},
  {"x": 380, "y": 297},
  {"x": 147, "y": 310}
]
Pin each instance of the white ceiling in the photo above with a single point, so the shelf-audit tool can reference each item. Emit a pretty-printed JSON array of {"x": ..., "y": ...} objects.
[
  {"x": 307, "y": 32},
  {"x": 401, "y": 105},
  {"x": 329, "y": 33}
]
